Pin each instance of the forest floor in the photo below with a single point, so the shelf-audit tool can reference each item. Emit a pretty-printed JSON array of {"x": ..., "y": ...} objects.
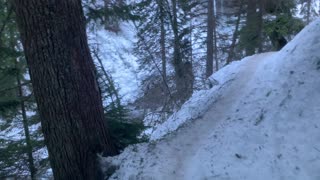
[{"x": 260, "y": 122}]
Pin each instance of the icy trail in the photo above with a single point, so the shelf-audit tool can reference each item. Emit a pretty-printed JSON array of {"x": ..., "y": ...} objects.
[
  {"x": 183, "y": 148},
  {"x": 261, "y": 122}
]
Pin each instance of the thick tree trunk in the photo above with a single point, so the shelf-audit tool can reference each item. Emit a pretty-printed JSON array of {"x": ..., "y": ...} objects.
[
  {"x": 210, "y": 26},
  {"x": 65, "y": 86}
]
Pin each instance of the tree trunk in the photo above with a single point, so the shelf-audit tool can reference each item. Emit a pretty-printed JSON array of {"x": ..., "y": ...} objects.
[
  {"x": 31, "y": 166},
  {"x": 308, "y": 11},
  {"x": 113, "y": 90},
  {"x": 215, "y": 36},
  {"x": 251, "y": 27},
  {"x": 112, "y": 21},
  {"x": 163, "y": 40},
  {"x": 177, "y": 59},
  {"x": 183, "y": 70},
  {"x": 65, "y": 87},
  {"x": 260, "y": 25},
  {"x": 210, "y": 26},
  {"x": 235, "y": 34}
]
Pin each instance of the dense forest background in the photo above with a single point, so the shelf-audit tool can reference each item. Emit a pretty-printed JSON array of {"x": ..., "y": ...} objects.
[{"x": 149, "y": 55}]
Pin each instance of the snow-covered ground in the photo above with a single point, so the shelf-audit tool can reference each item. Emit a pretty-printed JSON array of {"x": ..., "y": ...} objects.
[
  {"x": 115, "y": 50},
  {"x": 260, "y": 121}
]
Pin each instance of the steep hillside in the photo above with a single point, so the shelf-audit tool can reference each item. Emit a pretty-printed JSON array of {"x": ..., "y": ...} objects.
[
  {"x": 116, "y": 52},
  {"x": 261, "y": 120}
]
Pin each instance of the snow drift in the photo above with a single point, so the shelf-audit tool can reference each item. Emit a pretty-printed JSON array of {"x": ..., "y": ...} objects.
[{"x": 261, "y": 121}]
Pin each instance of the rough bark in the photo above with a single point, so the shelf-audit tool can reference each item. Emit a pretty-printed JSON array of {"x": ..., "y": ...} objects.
[{"x": 65, "y": 87}]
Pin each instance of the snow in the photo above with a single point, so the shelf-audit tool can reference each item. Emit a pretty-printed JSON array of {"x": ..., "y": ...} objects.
[
  {"x": 261, "y": 121},
  {"x": 315, "y": 10},
  {"x": 118, "y": 58},
  {"x": 191, "y": 109}
]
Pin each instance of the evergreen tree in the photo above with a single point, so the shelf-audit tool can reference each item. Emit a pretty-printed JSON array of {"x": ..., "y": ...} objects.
[
  {"x": 15, "y": 100},
  {"x": 250, "y": 32},
  {"x": 281, "y": 29},
  {"x": 211, "y": 39},
  {"x": 308, "y": 10},
  {"x": 261, "y": 30},
  {"x": 231, "y": 53},
  {"x": 108, "y": 13},
  {"x": 65, "y": 86},
  {"x": 124, "y": 130},
  {"x": 174, "y": 19}
]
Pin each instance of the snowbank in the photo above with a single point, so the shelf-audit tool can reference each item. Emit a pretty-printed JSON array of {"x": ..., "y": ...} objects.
[
  {"x": 261, "y": 122},
  {"x": 200, "y": 101}
]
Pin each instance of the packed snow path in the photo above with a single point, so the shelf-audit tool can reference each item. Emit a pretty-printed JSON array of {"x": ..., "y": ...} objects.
[
  {"x": 184, "y": 148},
  {"x": 263, "y": 122}
]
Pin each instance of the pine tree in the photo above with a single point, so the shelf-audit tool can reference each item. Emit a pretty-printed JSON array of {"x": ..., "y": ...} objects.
[
  {"x": 15, "y": 100},
  {"x": 175, "y": 21},
  {"x": 250, "y": 31},
  {"x": 308, "y": 10},
  {"x": 211, "y": 39},
  {"x": 231, "y": 53},
  {"x": 281, "y": 29},
  {"x": 262, "y": 33}
]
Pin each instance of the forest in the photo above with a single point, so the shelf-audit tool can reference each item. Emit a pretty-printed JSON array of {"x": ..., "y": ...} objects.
[{"x": 159, "y": 89}]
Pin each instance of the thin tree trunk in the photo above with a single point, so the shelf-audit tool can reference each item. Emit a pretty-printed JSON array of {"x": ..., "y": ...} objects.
[
  {"x": 183, "y": 70},
  {"x": 251, "y": 27},
  {"x": 29, "y": 148},
  {"x": 106, "y": 14},
  {"x": 260, "y": 25},
  {"x": 111, "y": 21},
  {"x": 6, "y": 21},
  {"x": 308, "y": 11},
  {"x": 163, "y": 40},
  {"x": 157, "y": 67},
  {"x": 235, "y": 34},
  {"x": 210, "y": 43},
  {"x": 110, "y": 81},
  {"x": 215, "y": 37},
  {"x": 65, "y": 87},
  {"x": 319, "y": 6},
  {"x": 177, "y": 58}
]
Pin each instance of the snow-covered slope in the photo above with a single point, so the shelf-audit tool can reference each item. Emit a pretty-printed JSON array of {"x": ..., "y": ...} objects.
[
  {"x": 115, "y": 50},
  {"x": 262, "y": 121}
]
